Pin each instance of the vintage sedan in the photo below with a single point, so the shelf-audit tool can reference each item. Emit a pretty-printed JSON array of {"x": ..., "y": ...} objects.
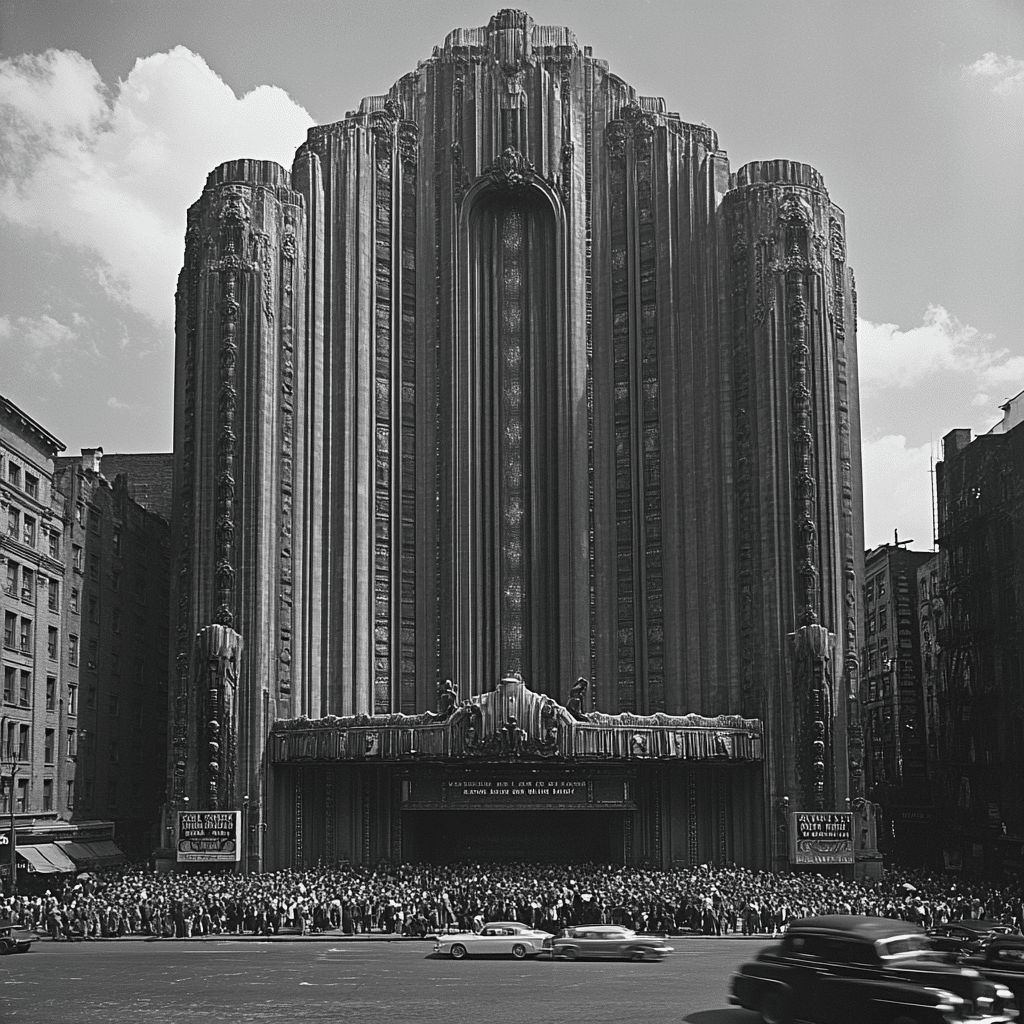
[
  {"x": 1002, "y": 961},
  {"x": 966, "y": 936},
  {"x": 499, "y": 938},
  {"x": 607, "y": 941},
  {"x": 844, "y": 969},
  {"x": 15, "y": 939}
]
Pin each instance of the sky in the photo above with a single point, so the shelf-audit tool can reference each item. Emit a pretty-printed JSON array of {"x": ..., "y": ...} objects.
[{"x": 113, "y": 111}]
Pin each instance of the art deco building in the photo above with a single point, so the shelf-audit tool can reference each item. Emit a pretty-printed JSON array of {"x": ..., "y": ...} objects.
[{"x": 510, "y": 375}]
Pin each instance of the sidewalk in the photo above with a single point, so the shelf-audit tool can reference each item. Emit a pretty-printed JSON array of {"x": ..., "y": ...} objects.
[{"x": 293, "y": 936}]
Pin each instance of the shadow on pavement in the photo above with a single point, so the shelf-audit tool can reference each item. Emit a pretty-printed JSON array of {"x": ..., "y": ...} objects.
[{"x": 732, "y": 1015}]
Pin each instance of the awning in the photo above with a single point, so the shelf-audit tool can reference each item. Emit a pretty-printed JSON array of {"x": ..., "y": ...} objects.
[
  {"x": 46, "y": 859},
  {"x": 98, "y": 854}
]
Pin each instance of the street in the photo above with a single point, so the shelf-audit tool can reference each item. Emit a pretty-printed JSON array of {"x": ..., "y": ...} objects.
[{"x": 192, "y": 982}]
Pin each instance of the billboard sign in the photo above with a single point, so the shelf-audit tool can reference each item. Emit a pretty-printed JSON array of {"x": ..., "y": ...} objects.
[
  {"x": 209, "y": 837},
  {"x": 821, "y": 837}
]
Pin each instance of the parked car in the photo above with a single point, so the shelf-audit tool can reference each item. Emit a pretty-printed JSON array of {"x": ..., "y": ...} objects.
[
  {"x": 15, "y": 939},
  {"x": 844, "y": 969},
  {"x": 499, "y": 938},
  {"x": 1002, "y": 960},
  {"x": 607, "y": 941}
]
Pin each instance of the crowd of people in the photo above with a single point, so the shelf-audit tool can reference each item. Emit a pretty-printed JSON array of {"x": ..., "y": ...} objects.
[{"x": 418, "y": 900}]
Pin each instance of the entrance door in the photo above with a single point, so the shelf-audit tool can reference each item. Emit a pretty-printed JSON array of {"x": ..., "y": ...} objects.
[{"x": 537, "y": 836}]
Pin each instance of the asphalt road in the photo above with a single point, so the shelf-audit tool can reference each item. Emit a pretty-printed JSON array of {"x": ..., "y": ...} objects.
[{"x": 195, "y": 982}]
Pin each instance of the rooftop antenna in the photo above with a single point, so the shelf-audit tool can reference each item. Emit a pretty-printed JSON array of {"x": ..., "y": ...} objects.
[
  {"x": 900, "y": 543},
  {"x": 935, "y": 510}
]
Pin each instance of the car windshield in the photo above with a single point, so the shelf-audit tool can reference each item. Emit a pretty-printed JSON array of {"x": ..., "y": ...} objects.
[{"x": 903, "y": 945}]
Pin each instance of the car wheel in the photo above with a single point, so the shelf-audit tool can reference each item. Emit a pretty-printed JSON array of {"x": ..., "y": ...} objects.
[
  {"x": 637, "y": 955},
  {"x": 569, "y": 953},
  {"x": 519, "y": 951},
  {"x": 458, "y": 951},
  {"x": 5, "y": 948},
  {"x": 775, "y": 1007}
]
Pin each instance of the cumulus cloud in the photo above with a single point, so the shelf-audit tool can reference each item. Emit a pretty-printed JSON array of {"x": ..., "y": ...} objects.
[
  {"x": 897, "y": 491},
  {"x": 38, "y": 342},
  {"x": 1004, "y": 73},
  {"x": 890, "y": 357},
  {"x": 114, "y": 171}
]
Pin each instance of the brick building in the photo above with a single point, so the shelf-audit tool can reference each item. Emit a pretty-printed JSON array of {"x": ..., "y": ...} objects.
[
  {"x": 979, "y": 696},
  {"x": 34, "y": 713},
  {"x": 116, "y": 650},
  {"x": 896, "y": 749}
]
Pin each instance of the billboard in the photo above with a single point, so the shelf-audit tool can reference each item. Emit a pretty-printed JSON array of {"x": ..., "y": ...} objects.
[
  {"x": 209, "y": 837},
  {"x": 821, "y": 837}
]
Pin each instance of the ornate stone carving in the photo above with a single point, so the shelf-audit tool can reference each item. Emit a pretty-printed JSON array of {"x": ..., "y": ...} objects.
[
  {"x": 217, "y": 655},
  {"x": 511, "y": 170}
]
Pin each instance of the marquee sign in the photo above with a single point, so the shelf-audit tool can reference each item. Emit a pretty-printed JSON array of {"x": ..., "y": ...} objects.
[
  {"x": 516, "y": 791},
  {"x": 209, "y": 837},
  {"x": 821, "y": 837}
]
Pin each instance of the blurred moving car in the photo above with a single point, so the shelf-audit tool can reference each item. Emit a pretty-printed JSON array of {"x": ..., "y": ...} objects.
[
  {"x": 1002, "y": 961},
  {"x": 499, "y": 938},
  {"x": 15, "y": 939},
  {"x": 844, "y": 969},
  {"x": 607, "y": 941},
  {"x": 966, "y": 936}
]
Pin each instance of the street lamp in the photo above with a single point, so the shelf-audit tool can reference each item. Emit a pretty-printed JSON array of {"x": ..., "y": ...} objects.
[
  {"x": 245, "y": 835},
  {"x": 9, "y": 761}
]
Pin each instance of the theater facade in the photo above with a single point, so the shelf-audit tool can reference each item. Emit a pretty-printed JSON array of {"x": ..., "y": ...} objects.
[{"x": 517, "y": 481}]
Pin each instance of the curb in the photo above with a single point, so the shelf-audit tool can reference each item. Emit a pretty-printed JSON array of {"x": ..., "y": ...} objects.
[{"x": 328, "y": 937}]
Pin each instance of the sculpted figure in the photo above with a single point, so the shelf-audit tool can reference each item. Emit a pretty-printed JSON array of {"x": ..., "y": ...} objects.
[
  {"x": 447, "y": 699},
  {"x": 577, "y": 699}
]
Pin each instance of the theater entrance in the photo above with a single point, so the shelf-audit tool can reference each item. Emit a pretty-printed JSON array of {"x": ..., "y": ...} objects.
[{"x": 537, "y": 836}]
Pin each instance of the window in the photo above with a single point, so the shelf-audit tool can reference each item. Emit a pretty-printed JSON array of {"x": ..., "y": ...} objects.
[
  {"x": 14, "y": 474},
  {"x": 22, "y": 805},
  {"x": 112, "y": 794},
  {"x": 76, "y": 556},
  {"x": 87, "y": 795},
  {"x": 72, "y": 700},
  {"x": 140, "y": 672},
  {"x": 13, "y": 522},
  {"x": 25, "y": 637},
  {"x": 880, "y": 585},
  {"x": 94, "y": 521},
  {"x": 32, "y": 485},
  {"x": 883, "y": 619},
  {"x": 25, "y": 688},
  {"x": 47, "y": 794},
  {"x": 9, "y": 748},
  {"x": 48, "y": 746},
  {"x": 51, "y": 642},
  {"x": 114, "y": 752},
  {"x": 115, "y": 705},
  {"x": 27, "y": 581},
  {"x": 94, "y": 609},
  {"x": 72, "y": 650},
  {"x": 11, "y": 587},
  {"x": 94, "y": 566},
  {"x": 116, "y": 540},
  {"x": 24, "y": 731},
  {"x": 80, "y": 514},
  {"x": 30, "y": 531},
  {"x": 51, "y": 693},
  {"x": 90, "y": 700},
  {"x": 9, "y": 675},
  {"x": 72, "y": 742},
  {"x": 10, "y": 628},
  {"x": 91, "y": 660},
  {"x": 71, "y": 795},
  {"x": 53, "y": 596},
  {"x": 115, "y": 662},
  {"x": 115, "y": 620},
  {"x": 74, "y": 599},
  {"x": 5, "y": 799},
  {"x": 115, "y": 582},
  {"x": 54, "y": 544}
]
